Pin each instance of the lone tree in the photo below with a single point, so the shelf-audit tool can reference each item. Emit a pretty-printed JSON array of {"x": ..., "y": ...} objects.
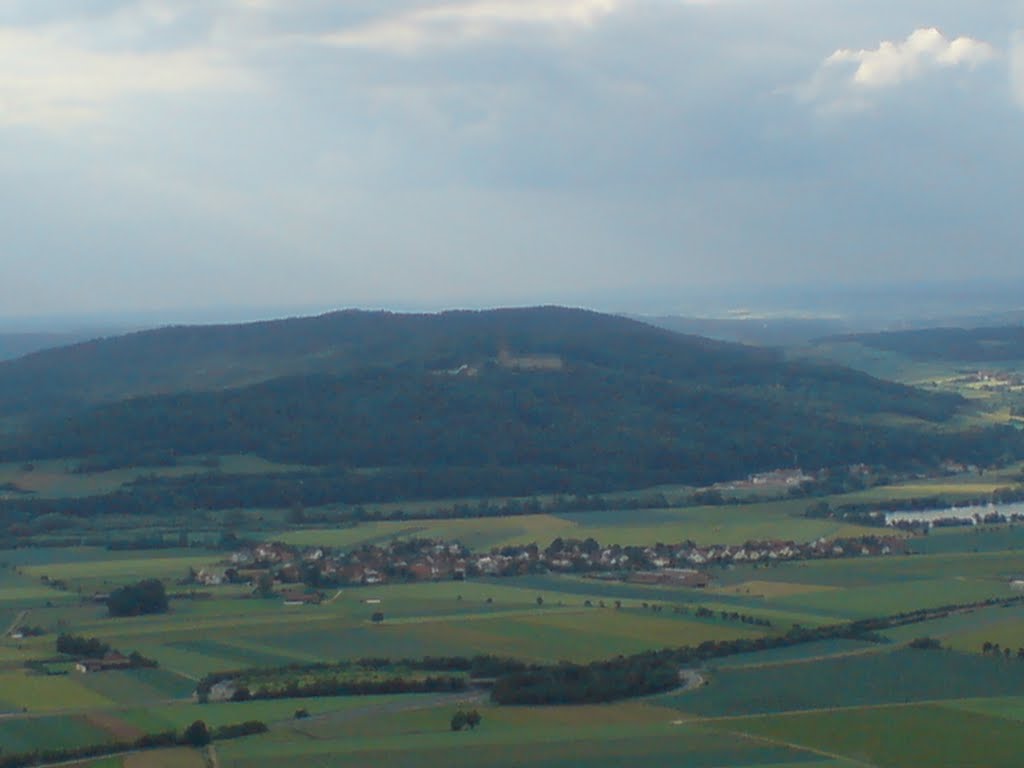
[
  {"x": 458, "y": 721},
  {"x": 463, "y": 719},
  {"x": 377, "y": 617},
  {"x": 265, "y": 585},
  {"x": 197, "y": 734},
  {"x": 146, "y": 596}
]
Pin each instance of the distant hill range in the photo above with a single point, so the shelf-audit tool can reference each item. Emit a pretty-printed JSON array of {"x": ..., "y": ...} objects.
[
  {"x": 13, "y": 345},
  {"x": 969, "y": 345},
  {"x": 757, "y": 331},
  {"x": 607, "y": 399}
]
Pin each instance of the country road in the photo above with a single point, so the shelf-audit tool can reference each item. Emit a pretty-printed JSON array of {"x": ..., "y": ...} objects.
[{"x": 18, "y": 621}]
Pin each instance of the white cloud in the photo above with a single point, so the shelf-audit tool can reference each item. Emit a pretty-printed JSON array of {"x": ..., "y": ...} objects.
[
  {"x": 847, "y": 77},
  {"x": 47, "y": 79},
  {"x": 455, "y": 23},
  {"x": 893, "y": 63}
]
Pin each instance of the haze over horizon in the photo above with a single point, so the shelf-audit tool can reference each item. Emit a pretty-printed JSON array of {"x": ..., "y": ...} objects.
[{"x": 241, "y": 156}]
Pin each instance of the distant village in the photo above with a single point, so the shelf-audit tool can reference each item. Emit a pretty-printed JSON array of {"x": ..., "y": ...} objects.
[
  {"x": 991, "y": 379},
  {"x": 684, "y": 564}
]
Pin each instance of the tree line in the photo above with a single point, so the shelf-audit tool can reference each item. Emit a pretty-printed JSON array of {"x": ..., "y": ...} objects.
[
  {"x": 293, "y": 680},
  {"x": 198, "y": 734}
]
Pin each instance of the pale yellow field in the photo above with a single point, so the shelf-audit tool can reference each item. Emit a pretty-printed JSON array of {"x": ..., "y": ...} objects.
[
  {"x": 40, "y": 693},
  {"x": 706, "y": 525},
  {"x": 770, "y": 589},
  {"x": 183, "y": 757}
]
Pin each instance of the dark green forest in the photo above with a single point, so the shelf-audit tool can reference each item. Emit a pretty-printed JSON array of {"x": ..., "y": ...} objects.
[{"x": 628, "y": 405}]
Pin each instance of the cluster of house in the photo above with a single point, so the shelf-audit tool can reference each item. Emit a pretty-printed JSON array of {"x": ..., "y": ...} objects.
[
  {"x": 775, "y": 479},
  {"x": 674, "y": 560},
  {"x": 993, "y": 379},
  {"x": 916, "y": 520},
  {"x": 435, "y": 560}
]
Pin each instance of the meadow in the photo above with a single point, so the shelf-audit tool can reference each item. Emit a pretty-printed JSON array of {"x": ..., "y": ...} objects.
[
  {"x": 897, "y": 737},
  {"x": 885, "y": 676},
  {"x": 602, "y": 736}
]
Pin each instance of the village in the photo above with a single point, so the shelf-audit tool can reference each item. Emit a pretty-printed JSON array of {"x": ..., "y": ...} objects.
[{"x": 684, "y": 564}]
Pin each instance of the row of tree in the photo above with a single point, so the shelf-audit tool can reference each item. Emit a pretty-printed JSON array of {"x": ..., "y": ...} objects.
[
  {"x": 198, "y": 734},
  {"x": 82, "y": 647},
  {"x": 476, "y": 667},
  {"x": 337, "y": 686}
]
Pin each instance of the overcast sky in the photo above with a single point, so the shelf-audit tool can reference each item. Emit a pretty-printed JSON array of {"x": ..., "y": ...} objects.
[{"x": 179, "y": 154}]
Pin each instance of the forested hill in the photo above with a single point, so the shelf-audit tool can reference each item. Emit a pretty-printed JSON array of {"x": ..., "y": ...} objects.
[
  {"x": 13, "y": 345},
  {"x": 577, "y": 393},
  {"x": 969, "y": 345},
  {"x": 195, "y": 358}
]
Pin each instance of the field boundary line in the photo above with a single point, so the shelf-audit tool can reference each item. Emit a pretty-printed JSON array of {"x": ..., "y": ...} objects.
[
  {"x": 17, "y": 621},
  {"x": 799, "y": 747},
  {"x": 881, "y": 648},
  {"x": 828, "y": 710}
]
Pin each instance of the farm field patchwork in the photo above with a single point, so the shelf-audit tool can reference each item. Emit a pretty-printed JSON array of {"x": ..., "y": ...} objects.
[
  {"x": 900, "y": 676},
  {"x": 61, "y": 479},
  {"x": 59, "y": 731},
  {"x": 727, "y": 524},
  {"x": 601, "y": 736},
  {"x": 971, "y": 539},
  {"x": 22, "y": 690},
  {"x": 739, "y": 719},
  {"x": 895, "y": 737},
  {"x": 1003, "y": 627},
  {"x": 139, "y": 686},
  {"x": 808, "y": 652}
]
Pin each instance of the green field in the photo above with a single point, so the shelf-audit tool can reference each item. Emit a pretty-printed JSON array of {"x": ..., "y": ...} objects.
[
  {"x": 885, "y": 677},
  {"x": 59, "y": 478},
  {"x": 601, "y": 736},
  {"x": 58, "y": 732},
  {"x": 897, "y": 737},
  {"x": 40, "y": 693}
]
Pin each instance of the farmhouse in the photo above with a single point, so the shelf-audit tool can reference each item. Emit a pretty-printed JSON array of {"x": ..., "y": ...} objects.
[
  {"x": 534, "y": 362},
  {"x": 112, "y": 660},
  {"x": 222, "y": 691},
  {"x": 302, "y": 598}
]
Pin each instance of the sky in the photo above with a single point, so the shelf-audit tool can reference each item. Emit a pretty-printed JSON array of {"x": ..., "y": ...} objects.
[{"x": 193, "y": 155}]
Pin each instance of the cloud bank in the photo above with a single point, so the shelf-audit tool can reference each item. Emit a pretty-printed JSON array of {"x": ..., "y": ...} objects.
[
  {"x": 458, "y": 23},
  {"x": 420, "y": 153}
]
